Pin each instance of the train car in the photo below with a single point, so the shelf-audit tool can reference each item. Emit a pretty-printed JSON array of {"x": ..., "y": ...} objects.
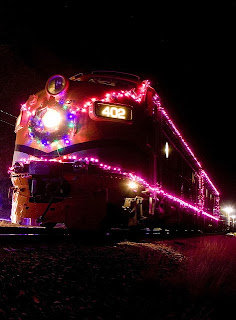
[{"x": 98, "y": 151}]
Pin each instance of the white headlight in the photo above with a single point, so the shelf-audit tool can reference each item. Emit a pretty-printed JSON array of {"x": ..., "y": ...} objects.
[
  {"x": 51, "y": 119},
  {"x": 133, "y": 185}
]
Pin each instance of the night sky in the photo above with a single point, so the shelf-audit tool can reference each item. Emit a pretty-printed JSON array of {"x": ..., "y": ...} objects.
[{"x": 184, "y": 50}]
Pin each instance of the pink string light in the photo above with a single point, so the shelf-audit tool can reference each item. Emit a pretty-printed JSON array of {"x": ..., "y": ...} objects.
[
  {"x": 139, "y": 95},
  {"x": 157, "y": 101},
  {"x": 135, "y": 178}
]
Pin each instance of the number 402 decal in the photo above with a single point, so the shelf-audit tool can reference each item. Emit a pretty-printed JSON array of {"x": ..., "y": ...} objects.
[
  {"x": 114, "y": 112},
  {"x": 111, "y": 111}
]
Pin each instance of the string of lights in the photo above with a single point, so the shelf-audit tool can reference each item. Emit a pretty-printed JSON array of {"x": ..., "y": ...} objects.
[
  {"x": 202, "y": 172},
  {"x": 37, "y": 122},
  {"x": 156, "y": 191},
  {"x": 39, "y": 129}
]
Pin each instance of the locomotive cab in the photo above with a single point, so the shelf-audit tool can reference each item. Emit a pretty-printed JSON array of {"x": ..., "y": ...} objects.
[
  {"x": 60, "y": 129},
  {"x": 89, "y": 153}
]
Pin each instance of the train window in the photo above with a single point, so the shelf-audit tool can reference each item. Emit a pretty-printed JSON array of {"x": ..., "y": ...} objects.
[
  {"x": 113, "y": 111},
  {"x": 119, "y": 84}
]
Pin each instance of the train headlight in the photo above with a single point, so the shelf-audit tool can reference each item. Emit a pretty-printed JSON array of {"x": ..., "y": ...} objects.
[
  {"x": 51, "y": 119},
  {"x": 56, "y": 84},
  {"x": 132, "y": 185}
]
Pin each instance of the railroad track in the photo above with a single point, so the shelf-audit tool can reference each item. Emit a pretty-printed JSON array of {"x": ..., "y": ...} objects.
[
  {"x": 11, "y": 232},
  {"x": 31, "y": 230},
  {"x": 41, "y": 234}
]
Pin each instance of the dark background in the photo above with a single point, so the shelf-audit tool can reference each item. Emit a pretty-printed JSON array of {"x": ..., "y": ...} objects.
[{"x": 185, "y": 50}]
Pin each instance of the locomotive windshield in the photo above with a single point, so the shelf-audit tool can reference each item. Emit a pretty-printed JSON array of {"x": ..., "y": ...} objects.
[
  {"x": 116, "y": 83},
  {"x": 116, "y": 80}
]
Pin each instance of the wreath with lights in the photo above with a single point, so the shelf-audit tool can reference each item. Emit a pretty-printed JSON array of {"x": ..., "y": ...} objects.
[{"x": 51, "y": 124}]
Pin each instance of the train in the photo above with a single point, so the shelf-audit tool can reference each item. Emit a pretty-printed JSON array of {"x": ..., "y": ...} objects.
[{"x": 98, "y": 151}]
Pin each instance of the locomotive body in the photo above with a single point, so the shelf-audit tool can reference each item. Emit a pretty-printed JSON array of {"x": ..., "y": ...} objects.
[{"x": 100, "y": 151}]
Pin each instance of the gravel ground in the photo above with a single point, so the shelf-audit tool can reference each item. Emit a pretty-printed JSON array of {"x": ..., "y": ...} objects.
[{"x": 107, "y": 281}]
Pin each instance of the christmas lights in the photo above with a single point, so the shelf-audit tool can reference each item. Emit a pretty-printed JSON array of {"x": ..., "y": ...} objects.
[
  {"x": 157, "y": 101},
  {"x": 200, "y": 190},
  {"x": 53, "y": 125},
  {"x": 64, "y": 131},
  {"x": 45, "y": 117},
  {"x": 135, "y": 180}
]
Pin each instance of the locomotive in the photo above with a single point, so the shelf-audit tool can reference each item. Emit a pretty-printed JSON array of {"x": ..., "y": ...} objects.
[{"x": 99, "y": 151}]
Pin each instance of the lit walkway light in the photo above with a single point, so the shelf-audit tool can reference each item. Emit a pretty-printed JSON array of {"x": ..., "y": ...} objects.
[
  {"x": 133, "y": 185},
  {"x": 167, "y": 150},
  {"x": 228, "y": 210}
]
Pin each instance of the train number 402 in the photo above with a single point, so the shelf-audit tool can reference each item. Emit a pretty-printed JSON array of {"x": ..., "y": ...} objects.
[{"x": 114, "y": 112}]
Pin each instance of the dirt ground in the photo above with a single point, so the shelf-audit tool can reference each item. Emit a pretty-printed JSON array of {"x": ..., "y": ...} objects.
[{"x": 184, "y": 278}]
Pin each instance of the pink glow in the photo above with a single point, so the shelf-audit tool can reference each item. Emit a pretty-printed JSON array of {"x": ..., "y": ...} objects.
[
  {"x": 133, "y": 178},
  {"x": 200, "y": 190},
  {"x": 157, "y": 101},
  {"x": 139, "y": 95},
  {"x": 109, "y": 97},
  {"x": 185, "y": 204}
]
